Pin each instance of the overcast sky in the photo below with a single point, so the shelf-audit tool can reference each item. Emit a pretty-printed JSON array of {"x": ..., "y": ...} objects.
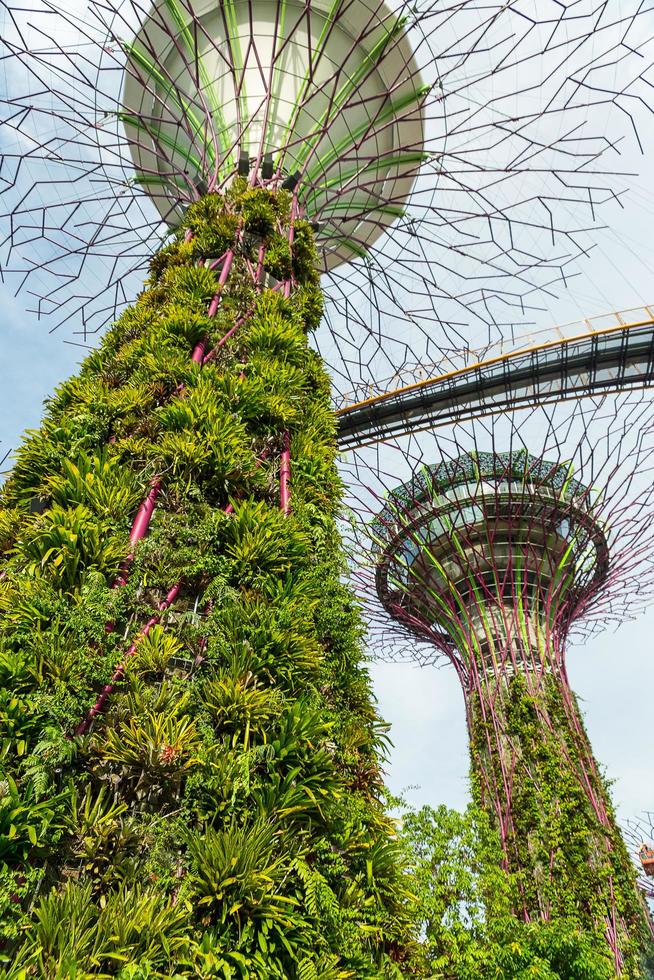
[{"x": 614, "y": 675}]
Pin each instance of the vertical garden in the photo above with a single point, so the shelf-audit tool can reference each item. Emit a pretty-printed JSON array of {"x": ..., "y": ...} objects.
[
  {"x": 534, "y": 774},
  {"x": 190, "y": 752}
]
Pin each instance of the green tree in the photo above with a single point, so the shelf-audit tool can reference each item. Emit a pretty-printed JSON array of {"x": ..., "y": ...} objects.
[{"x": 466, "y": 902}]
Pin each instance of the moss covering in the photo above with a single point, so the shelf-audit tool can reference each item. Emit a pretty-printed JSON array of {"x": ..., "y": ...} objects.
[{"x": 223, "y": 817}]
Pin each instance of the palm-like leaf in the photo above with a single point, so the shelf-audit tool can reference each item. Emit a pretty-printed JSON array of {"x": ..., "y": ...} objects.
[
  {"x": 67, "y": 543},
  {"x": 150, "y": 749},
  {"x": 237, "y": 874},
  {"x": 238, "y": 703},
  {"x": 106, "y": 487}
]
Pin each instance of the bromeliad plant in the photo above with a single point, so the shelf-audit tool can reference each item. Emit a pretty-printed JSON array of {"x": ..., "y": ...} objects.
[{"x": 191, "y": 760}]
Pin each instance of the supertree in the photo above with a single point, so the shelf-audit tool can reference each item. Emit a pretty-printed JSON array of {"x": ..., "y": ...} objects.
[
  {"x": 508, "y": 537},
  {"x": 192, "y": 765}
]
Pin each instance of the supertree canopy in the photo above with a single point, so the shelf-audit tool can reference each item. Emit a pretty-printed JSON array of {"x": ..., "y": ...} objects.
[
  {"x": 455, "y": 155},
  {"x": 492, "y": 555}
]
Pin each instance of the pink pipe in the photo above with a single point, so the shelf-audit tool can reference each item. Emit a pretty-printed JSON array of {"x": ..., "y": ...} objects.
[
  {"x": 140, "y": 527},
  {"x": 224, "y": 272},
  {"x": 146, "y": 509},
  {"x": 119, "y": 672},
  {"x": 198, "y": 352},
  {"x": 260, "y": 258},
  {"x": 285, "y": 475},
  {"x": 223, "y": 340},
  {"x": 144, "y": 514},
  {"x": 216, "y": 262}
]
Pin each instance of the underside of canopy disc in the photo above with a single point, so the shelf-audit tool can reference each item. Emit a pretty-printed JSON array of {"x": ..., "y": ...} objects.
[{"x": 327, "y": 94}]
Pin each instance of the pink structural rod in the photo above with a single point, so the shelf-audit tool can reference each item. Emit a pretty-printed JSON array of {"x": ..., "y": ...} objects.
[
  {"x": 140, "y": 527},
  {"x": 144, "y": 514},
  {"x": 285, "y": 475},
  {"x": 198, "y": 351},
  {"x": 146, "y": 509},
  {"x": 224, "y": 272},
  {"x": 119, "y": 672}
]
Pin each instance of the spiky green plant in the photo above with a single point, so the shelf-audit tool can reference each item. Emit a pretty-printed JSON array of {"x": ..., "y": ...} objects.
[{"x": 222, "y": 815}]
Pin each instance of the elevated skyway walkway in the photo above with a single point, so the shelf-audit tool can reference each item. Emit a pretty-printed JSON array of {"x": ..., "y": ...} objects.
[{"x": 589, "y": 357}]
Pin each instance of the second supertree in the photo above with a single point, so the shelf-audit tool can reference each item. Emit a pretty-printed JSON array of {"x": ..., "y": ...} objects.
[{"x": 492, "y": 556}]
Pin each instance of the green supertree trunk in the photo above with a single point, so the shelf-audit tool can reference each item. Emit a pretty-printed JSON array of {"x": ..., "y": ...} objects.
[
  {"x": 218, "y": 812},
  {"x": 534, "y": 773}
]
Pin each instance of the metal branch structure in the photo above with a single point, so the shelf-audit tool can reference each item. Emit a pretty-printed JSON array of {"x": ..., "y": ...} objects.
[
  {"x": 439, "y": 164},
  {"x": 507, "y": 537},
  {"x": 453, "y": 156}
]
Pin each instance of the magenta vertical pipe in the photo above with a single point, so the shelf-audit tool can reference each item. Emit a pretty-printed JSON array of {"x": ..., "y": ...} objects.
[
  {"x": 119, "y": 672},
  {"x": 198, "y": 351},
  {"x": 144, "y": 514},
  {"x": 140, "y": 527},
  {"x": 260, "y": 258},
  {"x": 285, "y": 476},
  {"x": 224, "y": 272}
]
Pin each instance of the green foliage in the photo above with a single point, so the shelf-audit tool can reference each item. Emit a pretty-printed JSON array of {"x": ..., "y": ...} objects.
[
  {"x": 465, "y": 900},
  {"x": 149, "y": 750},
  {"x": 74, "y": 937},
  {"x": 237, "y": 876},
  {"x": 99, "y": 482},
  {"x": 26, "y": 824},
  {"x": 560, "y": 855},
  {"x": 223, "y": 817},
  {"x": 237, "y": 702},
  {"x": 155, "y": 652},
  {"x": 191, "y": 287},
  {"x": 67, "y": 543}
]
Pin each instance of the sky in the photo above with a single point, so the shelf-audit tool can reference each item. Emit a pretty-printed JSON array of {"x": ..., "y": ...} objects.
[{"x": 613, "y": 675}]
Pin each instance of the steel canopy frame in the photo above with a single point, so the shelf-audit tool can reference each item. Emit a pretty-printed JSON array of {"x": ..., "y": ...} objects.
[{"x": 455, "y": 179}]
